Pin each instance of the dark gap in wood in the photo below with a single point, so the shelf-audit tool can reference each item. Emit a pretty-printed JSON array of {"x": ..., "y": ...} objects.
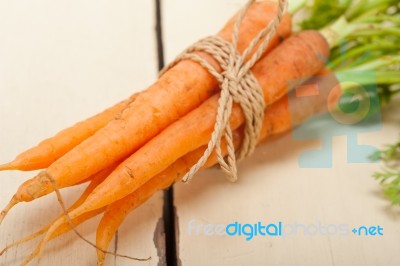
[
  {"x": 159, "y": 38},
  {"x": 168, "y": 208},
  {"x": 116, "y": 247}
]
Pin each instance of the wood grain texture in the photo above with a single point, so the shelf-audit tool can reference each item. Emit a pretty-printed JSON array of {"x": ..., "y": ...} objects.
[{"x": 62, "y": 62}]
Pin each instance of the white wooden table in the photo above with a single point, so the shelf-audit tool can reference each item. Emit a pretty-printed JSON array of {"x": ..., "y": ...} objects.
[{"x": 63, "y": 61}]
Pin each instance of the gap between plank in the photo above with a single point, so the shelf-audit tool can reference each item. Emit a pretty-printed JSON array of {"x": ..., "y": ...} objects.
[{"x": 168, "y": 208}]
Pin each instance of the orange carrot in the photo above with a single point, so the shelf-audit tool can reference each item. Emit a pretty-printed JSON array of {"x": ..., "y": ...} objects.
[
  {"x": 51, "y": 149},
  {"x": 279, "y": 118},
  {"x": 153, "y": 110},
  {"x": 194, "y": 129},
  {"x": 102, "y": 173},
  {"x": 155, "y": 156}
]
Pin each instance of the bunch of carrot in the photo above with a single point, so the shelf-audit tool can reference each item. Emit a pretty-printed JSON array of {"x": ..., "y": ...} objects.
[{"x": 147, "y": 142}]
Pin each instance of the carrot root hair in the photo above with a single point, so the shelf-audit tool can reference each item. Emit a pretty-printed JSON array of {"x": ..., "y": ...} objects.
[
  {"x": 4, "y": 212},
  {"x": 24, "y": 240},
  {"x": 54, "y": 227},
  {"x": 68, "y": 216}
]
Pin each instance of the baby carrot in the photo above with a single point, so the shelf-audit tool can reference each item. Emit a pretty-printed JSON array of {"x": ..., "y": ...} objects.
[
  {"x": 151, "y": 159},
  {"x": 278, "y": 119},
  {"x": 51, "y": 149},
  {"x": 153, "y": 110},
  {"x": 194, "y": 129},
  {"x": 117, "y": 212}
]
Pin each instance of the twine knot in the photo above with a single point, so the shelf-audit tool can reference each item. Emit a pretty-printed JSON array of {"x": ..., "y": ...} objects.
[{"x": 237, "y": 84}]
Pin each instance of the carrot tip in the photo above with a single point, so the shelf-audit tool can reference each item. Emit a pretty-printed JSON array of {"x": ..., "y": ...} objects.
[
  {"x": 30, "y": 258},
  {"x": 100, "y": 257},
  {"x": 4, "y": 250},
  {"x": 100, "y": 263},
  {"x": 7, "y": 166},
  {"x": 37, "y": 251},
  {"x": 4, "y": 212}
]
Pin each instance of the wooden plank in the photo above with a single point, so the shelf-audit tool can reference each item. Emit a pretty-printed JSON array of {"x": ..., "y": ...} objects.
[
  {"x": 62, "y": 62},
  {"x": 272, "y": 187},
  {"x": 196, "y": 19}
]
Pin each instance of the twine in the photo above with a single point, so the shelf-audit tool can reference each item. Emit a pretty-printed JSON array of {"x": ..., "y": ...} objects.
[{"x": 237, "y": 84}]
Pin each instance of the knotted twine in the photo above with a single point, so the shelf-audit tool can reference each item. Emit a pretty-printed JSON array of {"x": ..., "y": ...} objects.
[{"x": 237, "y": 84}]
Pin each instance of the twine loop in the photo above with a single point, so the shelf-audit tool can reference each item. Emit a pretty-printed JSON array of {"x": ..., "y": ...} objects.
[{"x": 237, "y": 84}]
